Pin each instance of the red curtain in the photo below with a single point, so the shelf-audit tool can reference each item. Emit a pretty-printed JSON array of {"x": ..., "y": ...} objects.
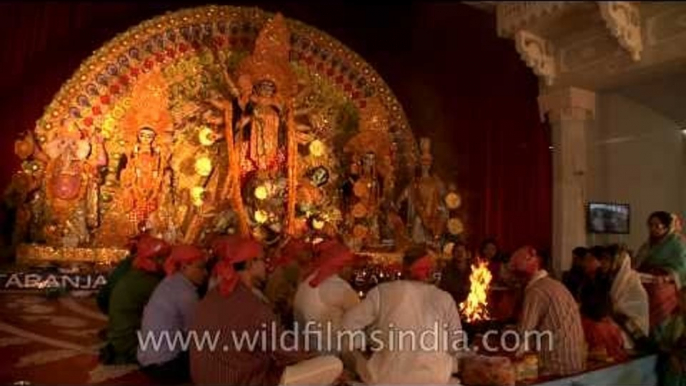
[{"x": 458, "y": 82}]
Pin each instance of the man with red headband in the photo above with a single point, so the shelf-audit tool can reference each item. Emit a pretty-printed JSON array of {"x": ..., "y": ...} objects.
[
  {"x": 326, "y": 295},
  {"x": 129, "y": 297},
  {"x": 409, "y": 319},
  {"x": 237, "y": 311},
  {"x": 290, "y": 266},
  {"x": 169, "y": 311},
  {"x": 550, "y": 310}
]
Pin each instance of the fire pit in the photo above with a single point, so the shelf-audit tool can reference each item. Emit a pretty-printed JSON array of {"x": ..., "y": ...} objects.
[
  {"x": 475, "y": 307},
  {"x": 476, "y": 318}
]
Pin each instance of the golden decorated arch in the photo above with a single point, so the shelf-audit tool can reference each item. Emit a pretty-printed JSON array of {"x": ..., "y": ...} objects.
[
  {"x": 139, "y": 135},
  {"x": 222, "y": 119}
]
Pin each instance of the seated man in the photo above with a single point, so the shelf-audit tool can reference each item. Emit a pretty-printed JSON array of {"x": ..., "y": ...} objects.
[
  {"x": 103, "y": 297},
  {"x": 129, "y": 298},
  {"x": 169, "y": 311},
  {"x": 455, "y": 275},
  {"x": 572, "y": 279},
  {"x": 549, "y": 309},
  {"x": 416, "y": 312},
  {"x": 325, "y": 295},
  {"x": 237, "y": 311}
]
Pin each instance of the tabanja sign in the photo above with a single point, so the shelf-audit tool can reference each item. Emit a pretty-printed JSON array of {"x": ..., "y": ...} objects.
[{"x": 50, "y": 280}]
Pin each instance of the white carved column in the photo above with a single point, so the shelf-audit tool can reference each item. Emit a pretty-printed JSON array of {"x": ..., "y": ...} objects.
[{"x": 569, "y": 112}]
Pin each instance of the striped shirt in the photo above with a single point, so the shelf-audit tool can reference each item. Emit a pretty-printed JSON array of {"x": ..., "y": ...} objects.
[
  {"x": 549, "y": 306},
  {"x": 242, "y": 312}
]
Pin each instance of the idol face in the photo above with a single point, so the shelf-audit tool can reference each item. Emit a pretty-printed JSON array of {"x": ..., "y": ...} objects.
[
  {"x": 146, "y": 136},
  {"x": 266, "y": 89}
]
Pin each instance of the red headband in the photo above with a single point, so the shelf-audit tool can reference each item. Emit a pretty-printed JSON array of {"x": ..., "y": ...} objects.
[
  {"x": 180, "y": 256},
  {"x": 421, "y": 269},
  {"x": 231, "y": 252},
  {"x": 333, "y": 257},
  {"x": 148, "y": 249}
]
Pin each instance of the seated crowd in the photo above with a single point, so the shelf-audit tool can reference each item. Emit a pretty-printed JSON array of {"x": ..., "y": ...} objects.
[{"x": 290, "y": 315}]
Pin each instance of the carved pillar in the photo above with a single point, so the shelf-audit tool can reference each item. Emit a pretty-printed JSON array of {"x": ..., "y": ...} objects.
[{"x": 569, "y": 112}]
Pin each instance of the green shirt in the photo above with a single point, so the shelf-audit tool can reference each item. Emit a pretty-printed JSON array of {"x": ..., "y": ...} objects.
[
  {"x": 105, "y": 292},
  {"x": 128, "y": 299}
]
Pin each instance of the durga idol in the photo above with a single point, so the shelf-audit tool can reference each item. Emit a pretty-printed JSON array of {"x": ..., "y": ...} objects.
[{"x": 143, "y": 177}]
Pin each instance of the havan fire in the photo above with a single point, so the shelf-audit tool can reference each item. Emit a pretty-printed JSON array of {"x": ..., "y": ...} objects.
[{"x": 475, "y": 307}]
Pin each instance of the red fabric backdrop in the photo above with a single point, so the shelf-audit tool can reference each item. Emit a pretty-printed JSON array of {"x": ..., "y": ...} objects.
[{"x": 459, "y": 83}]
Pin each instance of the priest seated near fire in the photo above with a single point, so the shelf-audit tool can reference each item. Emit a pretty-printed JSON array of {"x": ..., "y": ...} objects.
[
  {"x": 401, "y": 309},
  {"x": 550, "y": 311}
]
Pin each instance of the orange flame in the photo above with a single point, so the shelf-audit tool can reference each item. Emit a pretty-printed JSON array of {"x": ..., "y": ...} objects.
[{"x": 474, "y": 308}]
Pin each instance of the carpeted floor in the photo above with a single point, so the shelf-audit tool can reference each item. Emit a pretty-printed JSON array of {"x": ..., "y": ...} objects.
[{"x": 55, "y": 341}]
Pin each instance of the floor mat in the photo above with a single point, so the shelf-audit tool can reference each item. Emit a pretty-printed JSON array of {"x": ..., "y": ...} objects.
[{"x": 55, "y": 341}]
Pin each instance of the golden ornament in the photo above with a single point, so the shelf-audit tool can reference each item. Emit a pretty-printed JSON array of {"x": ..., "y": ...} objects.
[
  {"x": 318, "y": 224},
  {"x": 206, "y": 136},
  {"x": 359, "y": 210},
  {"x": 261, "y": 216},
  {"x": 203, "y": 166},
  {"x": 261, "y": 192},
  {"x": 455, "y": 226},
  {"x": 317, "y": 148},
  {"x": 197, "y": 193},
  {"x": 453, "y": 200}
]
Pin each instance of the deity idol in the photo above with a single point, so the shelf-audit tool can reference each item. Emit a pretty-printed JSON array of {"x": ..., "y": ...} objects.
[
  {"x": 426, "y": 212},
  {"x": 143, "y": 176},
  {"x": 72, "y": 187},
  {"x": 264, "y": 113},
  {"x": 265, "y": 95}
]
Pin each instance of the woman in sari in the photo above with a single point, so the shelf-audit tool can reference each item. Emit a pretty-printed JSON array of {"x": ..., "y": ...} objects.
[
  {"x": 663, "y": 257},
  {"x": 603, "y": 335},
  {"x": 629, "y": 299}
]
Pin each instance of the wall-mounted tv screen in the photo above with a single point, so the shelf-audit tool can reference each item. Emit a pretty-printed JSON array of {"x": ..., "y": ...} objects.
[{"x": 605, "y": 217}]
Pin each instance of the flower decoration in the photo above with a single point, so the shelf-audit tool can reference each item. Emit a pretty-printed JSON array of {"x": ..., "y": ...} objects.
[
  {"x": 455, "y": 226},
  {"x": 261, "y": 216},
  {"x": 261, "y": 192},
  {"x": 317, "y": 148},
  {"x": 206, "y": 136},
  {"x": 453, "y": 200},
  {"x": 203, "y": 166},
  {"x": 197, "y": 193}
]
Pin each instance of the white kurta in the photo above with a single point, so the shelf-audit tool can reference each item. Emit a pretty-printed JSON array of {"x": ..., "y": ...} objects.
[
  {"x": 396, "y": 310},
  {"x": 325, "y": 305}
]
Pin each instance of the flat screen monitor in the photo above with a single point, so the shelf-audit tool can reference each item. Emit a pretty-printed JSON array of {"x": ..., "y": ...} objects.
[{"x": 605, "y": 217}]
